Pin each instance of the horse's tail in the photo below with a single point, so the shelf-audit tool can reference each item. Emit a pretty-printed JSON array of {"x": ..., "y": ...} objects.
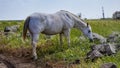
[{"x": 26, "y": 23}]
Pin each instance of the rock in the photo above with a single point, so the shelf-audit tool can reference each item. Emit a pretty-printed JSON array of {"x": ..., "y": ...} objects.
[
  {"x": 114, "y": 37},
  {"x": 2, "y": 65},
  {"x": 9, "y": 33},
  {"x": 13, "y": 28},
  {"x": 110, "y": 49},
  {"x": 10, "y": 30},
  {"x": 7, "y": 29},
  {"x": 106, "y": 49},
  {"x": 99, "y": 38},
  {"x": 108, "y": 65},
  {"x": 99, "y": 47},
  {"x": 117, "y": 46},
  {"x": 94, "y": 54}
]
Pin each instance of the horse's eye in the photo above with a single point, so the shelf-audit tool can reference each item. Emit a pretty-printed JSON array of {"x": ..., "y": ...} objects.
[{"x": 89, "y": 31}]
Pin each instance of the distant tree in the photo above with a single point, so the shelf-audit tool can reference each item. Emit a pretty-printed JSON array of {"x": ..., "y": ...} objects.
[{"x": 116, "y": 15}]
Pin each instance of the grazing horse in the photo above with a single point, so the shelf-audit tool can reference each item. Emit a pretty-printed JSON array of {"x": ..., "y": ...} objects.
[{"x": 60, "y": 23}]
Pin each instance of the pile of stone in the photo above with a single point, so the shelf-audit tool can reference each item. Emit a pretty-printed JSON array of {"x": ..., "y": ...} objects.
[
  {"x": 108, "y": 65},
  {"x": 11, "y": 29},
  {"x": 107, "y": 46},
  {"x": 99, "y": 38},
  {"x": 100, "y": 50}
]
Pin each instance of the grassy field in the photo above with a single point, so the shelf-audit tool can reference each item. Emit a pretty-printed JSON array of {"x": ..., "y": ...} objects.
[{"x": 49, "y": 50}]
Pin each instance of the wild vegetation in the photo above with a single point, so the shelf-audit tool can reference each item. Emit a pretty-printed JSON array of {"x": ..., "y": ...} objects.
[{"x": 49, "y": 50}]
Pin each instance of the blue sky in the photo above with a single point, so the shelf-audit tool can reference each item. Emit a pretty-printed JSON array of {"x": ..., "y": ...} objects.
[{"x": 20, "y": 9}]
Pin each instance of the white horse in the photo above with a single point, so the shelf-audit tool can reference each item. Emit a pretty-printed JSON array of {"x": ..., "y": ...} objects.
[{"x": 60, "y": 23}]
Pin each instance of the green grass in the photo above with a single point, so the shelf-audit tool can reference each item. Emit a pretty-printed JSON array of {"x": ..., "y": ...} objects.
[
  {"x": 105, "y": 27},
  {"x": 50, "y": 50}
]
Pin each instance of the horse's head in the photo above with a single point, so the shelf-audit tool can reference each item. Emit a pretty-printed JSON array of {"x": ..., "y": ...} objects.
[{"x": 87, "y": 31}]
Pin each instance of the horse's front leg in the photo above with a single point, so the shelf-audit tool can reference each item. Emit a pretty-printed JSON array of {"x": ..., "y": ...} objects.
[
  {"x": 61, "y": 42},
  {"x": 67, "y": 34},
  {"x": 34, "y": 44}
]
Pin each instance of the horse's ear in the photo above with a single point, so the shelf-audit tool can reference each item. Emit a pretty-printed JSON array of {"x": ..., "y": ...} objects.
[{"x": 87, "y": 24}]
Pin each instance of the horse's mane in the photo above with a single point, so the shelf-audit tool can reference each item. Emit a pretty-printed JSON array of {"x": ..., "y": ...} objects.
[{"x": 73, "y": 15}]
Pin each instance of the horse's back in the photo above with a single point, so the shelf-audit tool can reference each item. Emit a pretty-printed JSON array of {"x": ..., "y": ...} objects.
[
  {"x": 45, "y": 23},
  {"x": 50, "y": 23}
]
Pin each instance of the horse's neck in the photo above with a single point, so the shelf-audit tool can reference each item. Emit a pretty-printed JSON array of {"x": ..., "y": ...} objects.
[{"x": 79, "y": 24}]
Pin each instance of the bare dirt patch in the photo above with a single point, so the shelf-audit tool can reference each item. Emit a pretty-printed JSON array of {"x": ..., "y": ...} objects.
[
  {"x": 13, "y": 60},
  {"x": 21, "y": 58}
]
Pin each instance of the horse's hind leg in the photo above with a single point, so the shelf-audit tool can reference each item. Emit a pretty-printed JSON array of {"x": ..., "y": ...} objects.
[{"x": 34, "y": 44}]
